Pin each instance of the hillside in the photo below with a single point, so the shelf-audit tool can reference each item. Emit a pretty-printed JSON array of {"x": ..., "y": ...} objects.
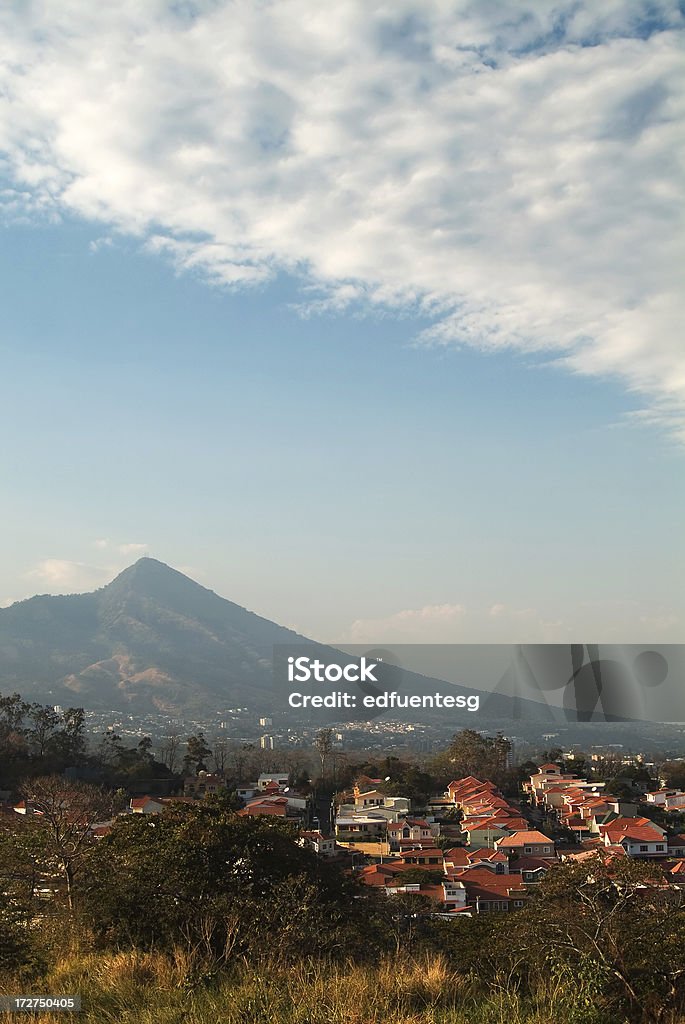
[
  {"x": 155, "y": 640},
  {"x": 151, "y": 639}
]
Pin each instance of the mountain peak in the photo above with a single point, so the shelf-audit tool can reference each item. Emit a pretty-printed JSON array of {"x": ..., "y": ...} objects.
[{"x": 149, "y": 577}]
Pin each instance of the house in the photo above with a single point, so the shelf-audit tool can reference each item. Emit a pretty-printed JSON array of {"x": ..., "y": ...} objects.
[
  {"x": 678, "y": 872},
  {"x": 360, "y": 826},
  {"x": 203, "y": 784},
  {"x": 381, "y": 876},
  {"x": 460, "y": 859},
  {"x": 270, "y": 806},
  {"x": 487, "y": 892},
  {"x": 370, "y": 798},
  {"x": 529, "y": 842},
  {"x": 100, "y": 831},
  {"x": 450, "y": 896},
  {"x": 639, "y": 837},
  {"x": 423, "y": 858},
  {"x": 266, "y": 778},
  {"x": 398, "y": 804},
  {"x": 145, "y": 805},
  {"x": 324, "y": 846},
  {"x": 531, "y": 869},
  {"x": 676, "y": 846},
  {"x": 480, "y": 832},
  {"x": 548, "y": 785},
  {"x": 366, "y": 782},
  {"x": 669, "y": 799},
  {"x": 410, "y": 830}
]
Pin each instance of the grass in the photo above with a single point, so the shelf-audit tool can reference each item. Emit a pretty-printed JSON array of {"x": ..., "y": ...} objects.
[{"x": 151, "y": 988}]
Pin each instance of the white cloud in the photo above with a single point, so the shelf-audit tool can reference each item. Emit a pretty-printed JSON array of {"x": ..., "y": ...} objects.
[
  {"x": 512, "y": 168},
  {"x": 455, "y": 623},
  {"x": 105, "y": 242},
  {"x": 132, "y": 549},
  {"x": 59, "y": 575},
  {"x": 436, "y": 623},
  {"x": 501, "y": 623}
]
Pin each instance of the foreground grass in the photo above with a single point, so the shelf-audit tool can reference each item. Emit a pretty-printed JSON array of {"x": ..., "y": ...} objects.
[{"x": 150, "y": 988}]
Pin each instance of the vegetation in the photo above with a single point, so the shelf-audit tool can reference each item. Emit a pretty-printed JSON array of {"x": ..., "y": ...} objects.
[{"x": 201, "y": 914}]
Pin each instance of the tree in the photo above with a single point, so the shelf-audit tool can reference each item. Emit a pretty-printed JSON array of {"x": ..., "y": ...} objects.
[
  {"x": 168, "y": 751},
  {"x": 220, "y": 754},
  {"x": 674, "y": 773},
  {"x": 70, "y": 740},
  {"x": 68, "y": 811},
  {"x": 197, "y": 753},
  {"x": 324, "y": 746},
  {"x": 612, "y": 923},
  {"x": 23, "y": 860},
  {"x": 203, "y": 874},
  {"x": 109, "y": 749},
  {"x": 469, "y": 753},
  {"x": 13, "y": 745},
  {"x": 44, "y": 723}
]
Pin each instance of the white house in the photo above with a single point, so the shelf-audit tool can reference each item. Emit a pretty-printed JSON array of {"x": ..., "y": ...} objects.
[{"x": 324, "y": 846}]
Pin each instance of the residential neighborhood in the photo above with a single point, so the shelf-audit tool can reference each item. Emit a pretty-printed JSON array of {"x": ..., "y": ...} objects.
[
  {"x": 479, "y": 850},
  {"x": 503, "y": 847},
  {"x": 406, "y": 857}
]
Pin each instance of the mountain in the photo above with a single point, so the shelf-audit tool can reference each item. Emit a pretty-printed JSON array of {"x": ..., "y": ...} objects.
[
  {"x": 154, "y": 640},
  {"x": 151, "y": 639}
]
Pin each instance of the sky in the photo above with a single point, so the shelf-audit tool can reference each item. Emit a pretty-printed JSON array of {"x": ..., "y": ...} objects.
[{"x": 367, "y": 316}]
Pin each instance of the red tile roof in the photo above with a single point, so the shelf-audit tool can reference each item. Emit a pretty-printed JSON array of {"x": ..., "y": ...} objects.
[
  {"x": 638, "y": 830},
  {"x": 525, "y": 838}
]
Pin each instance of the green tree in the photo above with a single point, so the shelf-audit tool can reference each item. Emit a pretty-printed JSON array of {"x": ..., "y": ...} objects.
[
  {"x": 470, "y": 753},
  {"x": 24, "y": 859},
  {"x": 202, "y": 874},
  {"x": 674, "y": 773},
  {"x": 614, "y": 925},
  {"x": 197, "y": 753}
]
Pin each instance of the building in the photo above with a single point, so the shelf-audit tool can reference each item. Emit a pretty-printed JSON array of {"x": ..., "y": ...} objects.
[
  {"x": 638, "y": 837},
  {"x": 203, "y": 784},
  {"x": 145, "y": 805},
  {"x": 324, "y": 846},
  {"x": 269, "y": 778},
  {"x": 530, "y": 843}
]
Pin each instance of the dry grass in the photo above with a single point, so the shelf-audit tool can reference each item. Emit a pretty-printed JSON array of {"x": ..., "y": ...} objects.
[{"x": 151, "y": 988}]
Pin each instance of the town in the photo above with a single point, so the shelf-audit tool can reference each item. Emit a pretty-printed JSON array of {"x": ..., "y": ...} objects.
[
  {"x": 468, "y": 849},
  {"x": 477, "y": 850},
  {"x": 219, "y": 861}
]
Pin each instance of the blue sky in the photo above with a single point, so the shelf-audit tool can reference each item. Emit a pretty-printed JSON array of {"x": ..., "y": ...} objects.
[{"x": 350, "y": 390}]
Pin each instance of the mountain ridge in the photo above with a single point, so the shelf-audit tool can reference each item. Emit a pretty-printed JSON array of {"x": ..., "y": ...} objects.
[
  {"x": 151, "y": 637},
  {"x": 154, "y": 640}
]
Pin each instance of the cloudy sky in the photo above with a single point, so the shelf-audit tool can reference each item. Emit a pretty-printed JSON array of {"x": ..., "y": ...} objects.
[{"x": 368, "y": 315}]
